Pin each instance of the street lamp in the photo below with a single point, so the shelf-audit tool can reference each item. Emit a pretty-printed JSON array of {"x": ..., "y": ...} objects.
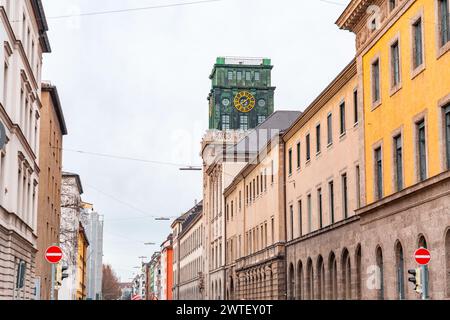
[
  {"x": 162, "y": 219},
  {"x": 191, "y": 168}
]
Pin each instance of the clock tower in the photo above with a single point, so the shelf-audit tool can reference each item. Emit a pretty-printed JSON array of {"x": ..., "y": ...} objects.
[{"x": 241, "y": 96}]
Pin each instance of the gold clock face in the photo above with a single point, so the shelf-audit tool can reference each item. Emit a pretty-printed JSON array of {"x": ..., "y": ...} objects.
[{"x": 244, "y": 101}]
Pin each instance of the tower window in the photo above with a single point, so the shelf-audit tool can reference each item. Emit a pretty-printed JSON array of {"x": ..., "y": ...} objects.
[
  {"x": 257, "y": 76},
  {"x": 225, "y": 122},
  {"x": 261, "y": 119},
  {"x": 243, "y": 122},
  {"x": 239, "y": 75},
  {"x": 230, "y": 75},
  {"x": 248, "y": 76}
]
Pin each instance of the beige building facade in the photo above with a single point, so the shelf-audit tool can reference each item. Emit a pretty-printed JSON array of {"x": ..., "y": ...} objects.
[{"x": 24, "y": 40}]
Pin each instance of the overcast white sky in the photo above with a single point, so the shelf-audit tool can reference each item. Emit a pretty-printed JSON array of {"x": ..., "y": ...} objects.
[{"x": 135, "y": 85}]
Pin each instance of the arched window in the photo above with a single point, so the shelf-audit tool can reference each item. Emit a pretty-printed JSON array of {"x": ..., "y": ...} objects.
[
  {"x": 379, "y": 260},
  {"x": 447, "y": 261},
  {"x": 346, "y": 275},
  {"x": 299, "y": 295},
  {"x": 310, "y": 280},
  {"x": 400, "y": 270},
  {"x": 291, "y": 292},
  {"x": 332, "y": 271},
  {"x": 358, "y": 272},
  {"x": 422, "y": 243},
  {"x": 320, "y": 279}
]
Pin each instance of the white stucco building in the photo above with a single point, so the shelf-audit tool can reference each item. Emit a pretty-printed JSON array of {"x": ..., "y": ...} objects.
[{"x": 23, "y": 41}]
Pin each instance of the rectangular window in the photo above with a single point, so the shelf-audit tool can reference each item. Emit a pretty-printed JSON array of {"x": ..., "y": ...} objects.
[
  {"x": 358, "y": 187},
  {"x": 422, "y": 150},
  {"x": 342, "y": 118},
  {"x": 290, "y": 161},
  {"x": 395, "y": 64},
  {"x": 398, "y": 160},
  {"x": 309, "y": 213},
  {"x": 345, "y": 195},
  {"x": 300, "y": 218},
  {"x": 239, "y": 75},
  {"x": 291, "y": 221},
  {"x": 444, "y": 21},
  {"x": 261, "y": 119},
  {"x": 298, "y": 155},
  {"x": 355, "y": 107},
  {"x": 308, "y": 148},
  {"x": 257, "y": 77},
  {"x": 230, "y": 75},
  {"x": 248, "y": 76},
  {"x": 378, "y": 174},
  {"x": 5, "y": 84},
  {"x": 330, "y": 129},
  {"x": 225, "y": 122},
  {"x": 418, "y": 43},
  {"x": 447, "y": 134},
  {"x": 318, "y": 138},
  {"x": 376, "y": 81},
  {"x": 273, "y": 230},
  {"x": 243, "y": 122},
  {"x": 272, "y": 176},
  {"x": 331, "y": 197},
  {"x": 319, "y": 204}
]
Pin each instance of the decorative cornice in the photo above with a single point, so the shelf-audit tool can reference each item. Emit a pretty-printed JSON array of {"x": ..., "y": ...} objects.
[{"x": 352, "y": 14}]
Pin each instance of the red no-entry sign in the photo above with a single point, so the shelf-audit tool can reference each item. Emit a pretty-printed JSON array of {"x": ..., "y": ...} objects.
[
  {"x": 422, "y": 256},
  {"x": 53, "y": 254}
]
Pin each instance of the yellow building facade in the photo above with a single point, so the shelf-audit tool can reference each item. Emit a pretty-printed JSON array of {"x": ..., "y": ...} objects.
[
  {"x": 82, "y": 256},
  {"x": 404, "y": 125}
]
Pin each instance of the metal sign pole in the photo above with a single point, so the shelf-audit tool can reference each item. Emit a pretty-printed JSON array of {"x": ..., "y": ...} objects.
[
  {"x": 424, "y": 271},
  {"x": 52, "y": 292}
]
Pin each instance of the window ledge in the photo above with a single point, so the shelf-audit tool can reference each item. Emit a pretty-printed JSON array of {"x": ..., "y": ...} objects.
[
  {"x": 395, "y": 89},
  {"x": 417, "y": 71},
  {"x": 342, "y": 136},
  {"x": 443, "y": 50},
  {"x": 376, "y": 104}
]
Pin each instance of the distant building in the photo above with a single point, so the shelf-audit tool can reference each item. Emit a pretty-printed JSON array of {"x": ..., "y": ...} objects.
[
  {"x": 188, "y": 233},
  {"x": 94, "y": 231},
  {"x": 73, "y": 239},
  {"x": 153, "y": 267},
  {"x": 166, "y": 269},
  {"x": 52, "y": 130}
]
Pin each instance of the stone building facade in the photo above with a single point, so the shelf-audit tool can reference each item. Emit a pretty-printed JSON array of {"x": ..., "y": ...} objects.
[
  {"x": 53, "y": 128},
  {"x": 24, "y": 40}
]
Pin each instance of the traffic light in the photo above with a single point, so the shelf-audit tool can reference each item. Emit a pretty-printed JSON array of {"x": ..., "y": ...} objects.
[
  {"x": 64, "y": 273},
  {"x": 416, "y": 279},
  {"x": 61, "y": 274}
]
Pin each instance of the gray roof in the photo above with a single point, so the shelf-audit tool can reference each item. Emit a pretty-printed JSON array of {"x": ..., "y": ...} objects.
[{"x": 258, "y": 138}]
